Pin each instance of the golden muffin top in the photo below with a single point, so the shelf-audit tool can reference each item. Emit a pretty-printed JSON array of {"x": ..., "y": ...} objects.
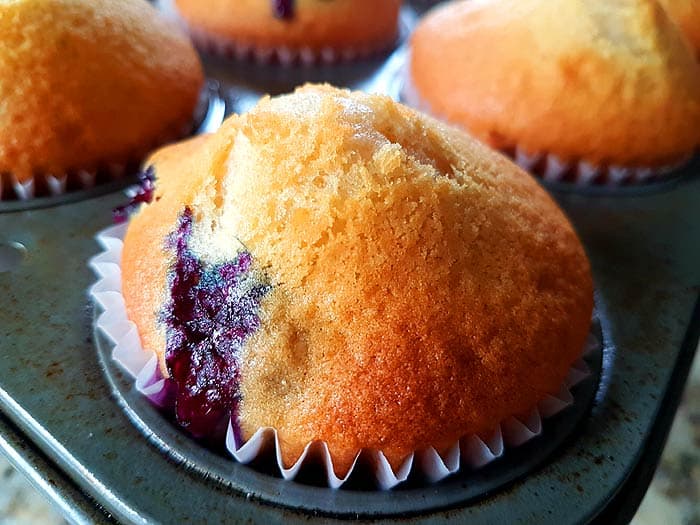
[
  {"x": 421, "y": 286},
  {"x": 606, "y": 82},
  {"x": 85, "y": 83}
]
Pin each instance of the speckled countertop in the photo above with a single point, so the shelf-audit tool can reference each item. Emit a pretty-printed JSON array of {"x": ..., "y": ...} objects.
[
  {"x": 20, "y": 504},
  {"x": 672, "y": 499},
  {"x": 674, "y": 495}
]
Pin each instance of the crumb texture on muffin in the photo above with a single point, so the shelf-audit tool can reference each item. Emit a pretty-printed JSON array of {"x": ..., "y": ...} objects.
[
  {"x": 611, "y": 83},
  {"x": 85, "y": 84},
  {"x": 422, "y": 287}
]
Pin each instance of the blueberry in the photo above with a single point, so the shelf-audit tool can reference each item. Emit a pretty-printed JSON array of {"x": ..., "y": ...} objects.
[
  {"x": 211, "y": 312},
  {"x": 283, "y": 9},
  {"x": 144, "y": 194}
]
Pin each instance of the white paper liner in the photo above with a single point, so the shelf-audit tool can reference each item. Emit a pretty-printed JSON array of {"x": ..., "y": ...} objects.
[
  {"x": 24, "y": 190},
  {"x": 548, "y": 166},
  {"x": 284, "y": 55},
  {"x": 471, "y": 451},
  {"x": 551, "y": 168},
  {"x": 54, "y": 184}
]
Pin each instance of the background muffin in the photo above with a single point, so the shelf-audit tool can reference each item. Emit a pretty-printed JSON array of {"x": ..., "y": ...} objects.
[
  {"x": 391, "y": 283},
  {"x": 609, "y": 84},
  {"x": 293, "y": 29},
  {"x": 88, "y": 84}
]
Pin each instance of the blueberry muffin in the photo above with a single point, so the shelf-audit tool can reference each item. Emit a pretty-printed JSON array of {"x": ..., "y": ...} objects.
[
  {"x": 86, "y": 84},
  {"x": 600, "y": 85},
  {"x": 328, "y": 30},
  {"x": 341, "y": 268}
]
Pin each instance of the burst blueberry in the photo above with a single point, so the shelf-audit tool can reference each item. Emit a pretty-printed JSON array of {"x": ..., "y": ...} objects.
[
  {"x": 144, "y": 194},
  {"x": 212, "y": 311},
  {"x": 283, "y": 9}
]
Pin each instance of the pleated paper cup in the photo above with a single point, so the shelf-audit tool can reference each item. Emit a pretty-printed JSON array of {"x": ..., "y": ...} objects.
[
  {"x": 283, "y": 55},
  {"x": 550, "y": 167},
  {"x": 13, "y": 187}
]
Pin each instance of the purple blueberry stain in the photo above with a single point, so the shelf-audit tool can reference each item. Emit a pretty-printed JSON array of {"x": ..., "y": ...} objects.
[
  {"x": 144, "y": 193},
  {"x": 283, "y": 9},
  {"x": 211, "y": 311}
]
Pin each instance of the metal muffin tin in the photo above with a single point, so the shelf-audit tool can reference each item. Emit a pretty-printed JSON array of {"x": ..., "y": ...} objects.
[{"x": 72, "y": 421}]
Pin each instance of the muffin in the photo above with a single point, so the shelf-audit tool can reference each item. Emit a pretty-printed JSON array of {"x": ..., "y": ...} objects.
[
  {"x": 341, "y": 268},
  {"x": 89, "y": 86},
  {"x": 291, "y": 31},
  {"x": 583, "y": 89},
  {"x": 686, "y": 13}
]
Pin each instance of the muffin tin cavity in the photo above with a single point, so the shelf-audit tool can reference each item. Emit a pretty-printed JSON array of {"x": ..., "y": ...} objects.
[{"x": 261, "y": 480}]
